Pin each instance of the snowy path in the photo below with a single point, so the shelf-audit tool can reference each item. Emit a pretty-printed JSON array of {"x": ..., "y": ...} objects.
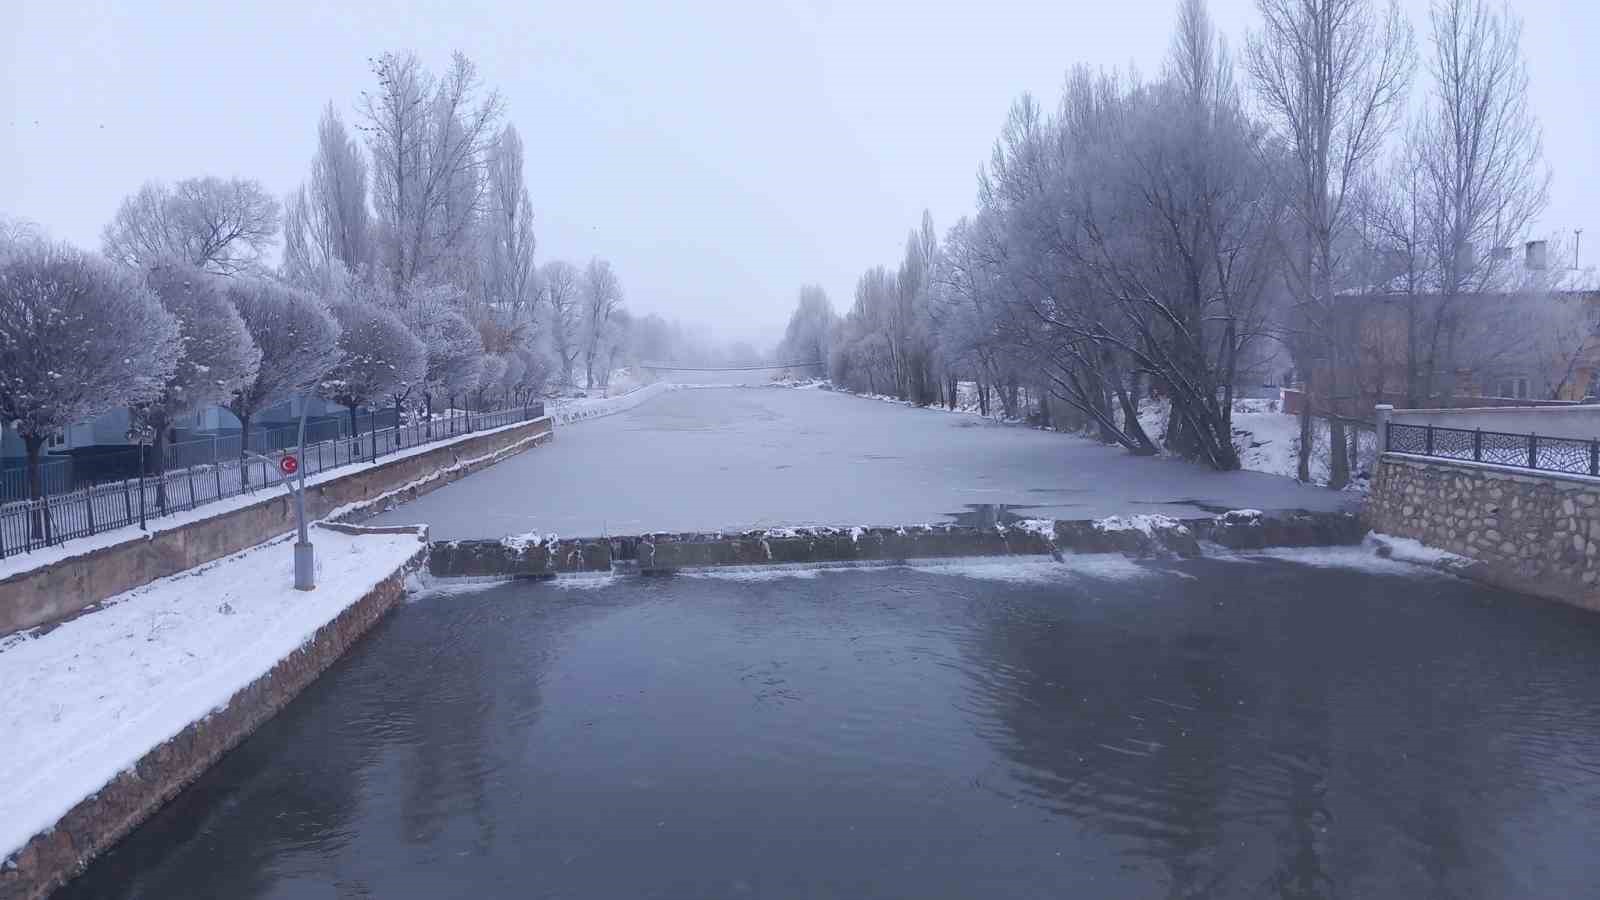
[
  {"x": 85, "y": 700},
  {"x": 761, "y": 457}
]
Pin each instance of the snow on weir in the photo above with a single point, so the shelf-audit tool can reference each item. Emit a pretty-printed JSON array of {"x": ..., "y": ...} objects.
[{"x": 84, "y": 701}]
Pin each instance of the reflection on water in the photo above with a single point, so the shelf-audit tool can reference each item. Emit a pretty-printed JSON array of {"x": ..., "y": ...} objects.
[{"x": 1201, "y": 729}]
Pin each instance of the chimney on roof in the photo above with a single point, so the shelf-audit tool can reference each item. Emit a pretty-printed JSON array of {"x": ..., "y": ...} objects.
[{"x": 1538, "y": 258}]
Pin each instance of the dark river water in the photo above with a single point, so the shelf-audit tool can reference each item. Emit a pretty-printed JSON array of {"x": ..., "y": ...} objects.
[{"x": 1211, "y": 728}]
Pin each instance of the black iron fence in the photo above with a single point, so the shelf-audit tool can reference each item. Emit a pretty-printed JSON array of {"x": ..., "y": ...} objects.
[
  {"x": 29, "y": 525},
  {"x": 1573, "y": 456},
  {"x": 60, "y": 473}
]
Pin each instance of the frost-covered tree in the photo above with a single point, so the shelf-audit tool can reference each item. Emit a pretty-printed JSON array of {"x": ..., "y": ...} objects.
[
  {"x": 616, "y": 343},
  {"x": 453, "y": 347},
  {"x": 512, "y": 377},
  {"x": 298, "y": 340},
  {"x": 78, "y": 336},
  {"x": 810, "y": 327},
  {"x": 1480, "y": 175},
  {"x": 490, "y": 375},
  {"x": 428, "y": 138},
  {"x": 1332, "y": 75},
  {"x": 535, "y": 372},
  {"x": 222, "y": 225},
  {"x": 379, "y": 357},
  {"x": 15, "y": 231},
  {"x": 602, "y": 294},
  {"x": 216, "y": 356},
  {"x": 326, "y": 222},
  {"x": 510, "y": 280},
  {"x": 560, "y": 286}
]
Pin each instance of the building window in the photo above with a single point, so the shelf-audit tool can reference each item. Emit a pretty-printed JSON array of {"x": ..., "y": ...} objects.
[
  {"x": 1512, "y": 387},
  {"x": 57, "y": 440}
]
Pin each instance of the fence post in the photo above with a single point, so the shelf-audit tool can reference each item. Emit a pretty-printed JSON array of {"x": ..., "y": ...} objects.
[
  {"x": 127, "y": 501},
  {"x": 1427, "y": 440},
  {"x": 1477, "y": 445},
  {"x": 1533, "y": 451},
  {"x": 141, "y": 487},
  {"x": 88, "y": 500},
  {"x": 1594, "y": 457},
  {"x": 216, "y": 466},
  {"x": 190, "y": 472},
  {"x": 1382, "y": 411}
]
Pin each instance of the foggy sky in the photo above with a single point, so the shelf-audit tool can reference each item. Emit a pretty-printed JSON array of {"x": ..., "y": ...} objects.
[{"x": 720, "y": 154}]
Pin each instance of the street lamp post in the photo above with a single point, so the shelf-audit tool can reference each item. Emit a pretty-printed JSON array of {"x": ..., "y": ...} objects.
[
  {"x": 289, "y": 466},
  {"x": 305, "y": 560}
]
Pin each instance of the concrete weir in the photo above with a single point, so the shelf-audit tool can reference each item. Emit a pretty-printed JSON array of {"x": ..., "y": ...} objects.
[{"x": 659, "y": 553}]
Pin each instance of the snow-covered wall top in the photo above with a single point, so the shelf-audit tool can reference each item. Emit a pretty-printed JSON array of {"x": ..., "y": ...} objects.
[{"x": 1580, "y": 422}]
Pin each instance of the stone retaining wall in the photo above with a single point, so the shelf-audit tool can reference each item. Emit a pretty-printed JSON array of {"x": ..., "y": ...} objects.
[
  {"x": 62, "y": 589},
  {"x": 55, "y": 856},
  {"x": 1532, "y": 532}
]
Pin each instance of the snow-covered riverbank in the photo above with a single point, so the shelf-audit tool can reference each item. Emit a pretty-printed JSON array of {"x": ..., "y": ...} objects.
[{"x": 83, "y": 701}]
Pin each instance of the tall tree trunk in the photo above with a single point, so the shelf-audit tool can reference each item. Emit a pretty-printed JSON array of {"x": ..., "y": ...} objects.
[
  {"x": 1355, "y": 449},
  {"x": 355, "y": 436},
  {"x": 1338, "y": 455},
  {"x": 244, "y": 448},
  {"x": 40, "y": 526},
  {"x": 158, "y": 446},
  {"x": 1338, "y": 448},
  {"x": 1307, "y": 437}
]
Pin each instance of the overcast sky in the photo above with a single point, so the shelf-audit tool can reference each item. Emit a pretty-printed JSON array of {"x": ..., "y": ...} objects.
[{"x": 720, "y": 154}]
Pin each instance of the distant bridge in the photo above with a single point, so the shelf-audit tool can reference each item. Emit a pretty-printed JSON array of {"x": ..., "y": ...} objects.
[{"x": 672, "y": 367}]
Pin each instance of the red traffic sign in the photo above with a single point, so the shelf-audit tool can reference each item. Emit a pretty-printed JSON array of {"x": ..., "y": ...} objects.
[{"x": 289, "y": 464}]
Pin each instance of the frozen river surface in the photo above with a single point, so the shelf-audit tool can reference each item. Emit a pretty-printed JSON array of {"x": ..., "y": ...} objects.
[{"x": 737, "y": 458}]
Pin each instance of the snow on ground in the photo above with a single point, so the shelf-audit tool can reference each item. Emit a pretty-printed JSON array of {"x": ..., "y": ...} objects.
[
  {"x": 565, "y": 412},
  {"x": 83, "y": 701},
  {"x": 1145, "y": 524},
  {"x": 521, "y": 542},
  {"x": 1269, "y": 440}
]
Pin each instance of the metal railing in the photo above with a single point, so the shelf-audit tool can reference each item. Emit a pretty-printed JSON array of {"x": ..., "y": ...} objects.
[
  {"x": 62, "y": 473},
  {"x": 29, "y": 525},
  {"x": 1573, "y": 456}
]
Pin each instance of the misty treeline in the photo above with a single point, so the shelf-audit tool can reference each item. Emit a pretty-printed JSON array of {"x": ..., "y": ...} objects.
[
  {"x": 407, "y": 279},
  {"x": 1180, "y": 236}
]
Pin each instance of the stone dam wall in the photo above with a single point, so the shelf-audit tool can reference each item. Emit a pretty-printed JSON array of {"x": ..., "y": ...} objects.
[
  {"x": 63, "y": 588},
  {"x": 1532, "y": 532},
  {"x": 665, "y": 553}
]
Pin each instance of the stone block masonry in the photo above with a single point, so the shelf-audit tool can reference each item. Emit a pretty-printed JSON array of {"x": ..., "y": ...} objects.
[
  {"x": 529, "y": 556},
  {"x": 1532, "y": 532}
]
